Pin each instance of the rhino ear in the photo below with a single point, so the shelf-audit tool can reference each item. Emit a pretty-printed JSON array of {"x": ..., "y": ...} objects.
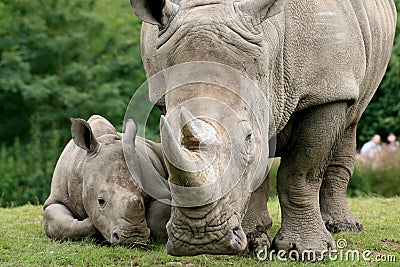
[
  {"x": 83, "y": 136},
  {"x": 262, "y": 8},
  {"x": 130, "y": 131},
  {"x": 156, "y": 12}
]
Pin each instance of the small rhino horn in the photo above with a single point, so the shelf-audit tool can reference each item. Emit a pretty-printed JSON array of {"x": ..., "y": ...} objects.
[{"x": 195, "y": 131}]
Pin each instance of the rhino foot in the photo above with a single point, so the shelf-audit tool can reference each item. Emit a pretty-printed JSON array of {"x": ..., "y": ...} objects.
[
  {"x": 301, "y": 246},
  {"x": 258, "y": 240},
  {"x": 343, "y": 225},
  {"x": 336, "y": 214},
  {"x": 342, "y": 220}
]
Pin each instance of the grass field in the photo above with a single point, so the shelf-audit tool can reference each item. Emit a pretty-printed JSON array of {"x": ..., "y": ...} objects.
[{"x": 24, "y": 243}]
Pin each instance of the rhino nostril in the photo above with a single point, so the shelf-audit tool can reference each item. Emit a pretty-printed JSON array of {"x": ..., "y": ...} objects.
[
  {"x": 115, "y": 239},
  {"x": 236, "y": 230}
]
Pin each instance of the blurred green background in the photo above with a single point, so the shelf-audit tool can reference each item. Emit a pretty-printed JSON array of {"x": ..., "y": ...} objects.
[{"x": 68, "y": 58}]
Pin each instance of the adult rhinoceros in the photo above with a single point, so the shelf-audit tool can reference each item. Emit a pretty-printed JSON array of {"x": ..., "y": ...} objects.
[
  {"x": 317, "y": 64},
  {"x": 93, "y": 189}
]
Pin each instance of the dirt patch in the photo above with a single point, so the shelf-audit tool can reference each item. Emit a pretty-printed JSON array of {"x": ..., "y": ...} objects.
[{"x": 391, "y": 242}]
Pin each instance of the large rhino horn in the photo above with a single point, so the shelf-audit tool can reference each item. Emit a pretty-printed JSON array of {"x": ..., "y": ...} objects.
[
  {"x": 186, "y": 167},
  {"x": 195, "y": 132},
  {"x": 176, "y": 155}
]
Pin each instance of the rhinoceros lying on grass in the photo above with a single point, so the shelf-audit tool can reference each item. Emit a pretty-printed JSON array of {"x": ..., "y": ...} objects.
[{"x": 93, "y": 190}]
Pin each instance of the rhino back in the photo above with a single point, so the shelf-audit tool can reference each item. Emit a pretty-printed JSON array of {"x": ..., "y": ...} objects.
[
  {"x": 326, "y": 51},
  {"x": 335, "y": 51},
  {"x": 377, "y": 20}
]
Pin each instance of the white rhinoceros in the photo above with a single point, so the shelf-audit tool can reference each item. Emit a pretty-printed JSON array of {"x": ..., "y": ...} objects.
[
  {"x": 93, "y": 189},
  {"x": 316, "y": 65}
]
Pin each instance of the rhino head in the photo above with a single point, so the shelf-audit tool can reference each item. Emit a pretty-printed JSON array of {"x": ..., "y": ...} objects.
[
  {"x": 214, "y": 140},
  {"x": 111, "y": 198}
]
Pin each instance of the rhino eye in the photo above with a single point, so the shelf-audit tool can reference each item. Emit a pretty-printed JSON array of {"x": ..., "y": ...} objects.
[
  {"x": 101, "y": 202},
  {"x": 249, "y": 143},
  {"x": 248, "y": 137}
]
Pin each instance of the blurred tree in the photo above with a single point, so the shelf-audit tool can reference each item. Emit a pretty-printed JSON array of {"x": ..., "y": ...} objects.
[
  {"x": 59, "y": 59},
  {"x": 65, "y": 58}
]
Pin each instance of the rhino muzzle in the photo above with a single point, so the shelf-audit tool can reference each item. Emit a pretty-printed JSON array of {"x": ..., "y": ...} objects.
[
  {"x": 206, "y": 216},
  {"x": 130, "y": 237},
  {"x": 194, "y": 236}
]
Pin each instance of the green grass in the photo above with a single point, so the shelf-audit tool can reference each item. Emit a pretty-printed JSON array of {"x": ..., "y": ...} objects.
[{"x": 24, "y": 243}]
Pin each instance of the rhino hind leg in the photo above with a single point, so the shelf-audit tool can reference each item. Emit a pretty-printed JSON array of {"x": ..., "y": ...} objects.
[
  {"x": 333, "y": 203},
  {"x": 257, "y": 220},
  {"x": 304, "y": 159},
  {"x": 60, "y": 224}
]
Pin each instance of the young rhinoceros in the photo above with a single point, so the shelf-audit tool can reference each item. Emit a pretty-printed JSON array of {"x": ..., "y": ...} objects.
[{"x": 93, "y": 189}]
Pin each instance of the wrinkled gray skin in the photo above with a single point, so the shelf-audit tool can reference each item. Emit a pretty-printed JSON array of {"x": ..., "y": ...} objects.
[
  {"x": 318, "y": 63},
  {"x": 93, "y": 190}
]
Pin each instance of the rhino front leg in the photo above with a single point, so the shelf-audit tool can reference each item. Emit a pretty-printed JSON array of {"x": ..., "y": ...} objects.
[
  {"x": 157, "y": 216},
  {"x": 313, "y": 136},
  {"x": 332, "y": 197},
  {"x": 59, "y": 223},
  {"x": 257, "y": 220}
]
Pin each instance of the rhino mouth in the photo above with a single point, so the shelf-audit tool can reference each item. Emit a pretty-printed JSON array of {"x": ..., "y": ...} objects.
[
  {"x": 132, "y": 237},
  {"x": 189, "y": 236}
]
